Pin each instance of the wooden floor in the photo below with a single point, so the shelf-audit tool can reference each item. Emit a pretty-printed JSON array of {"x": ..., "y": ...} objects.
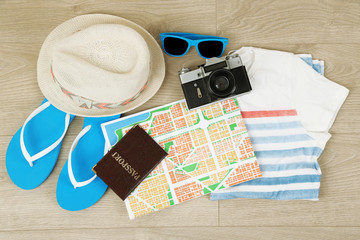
[{"x": 328, "y": 29}]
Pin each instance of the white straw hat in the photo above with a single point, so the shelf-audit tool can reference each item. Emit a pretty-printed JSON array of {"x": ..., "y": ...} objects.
[{"x": 99, "y": 65}]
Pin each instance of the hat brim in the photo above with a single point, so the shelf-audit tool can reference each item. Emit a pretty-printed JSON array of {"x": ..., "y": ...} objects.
[{"x": 61, "y": 101}]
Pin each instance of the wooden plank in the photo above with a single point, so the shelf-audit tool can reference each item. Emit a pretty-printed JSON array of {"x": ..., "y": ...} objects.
[
  {"x": 30, "y": 22},
  {"x": 23, "y": 27},
  {"x": 327, "y": 29},
  {"x": 19, "y": 50},
  {"x": 291, "y": 21},
  {"x": 338, "y": 205},
  {"x": 38, "y": 208},
  {"x": 20, "y": 93},
  {"x": 339, "y": 195},
  {"x": 199, "y": 233}
]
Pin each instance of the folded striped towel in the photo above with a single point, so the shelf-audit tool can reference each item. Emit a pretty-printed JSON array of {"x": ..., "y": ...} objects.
[{"x": 287, "y": 115}]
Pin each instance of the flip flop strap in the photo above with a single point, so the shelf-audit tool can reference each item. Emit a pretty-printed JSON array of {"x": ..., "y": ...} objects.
[
  {"x": 45, "y": 151},
  {"x": 70, "y": 171}
]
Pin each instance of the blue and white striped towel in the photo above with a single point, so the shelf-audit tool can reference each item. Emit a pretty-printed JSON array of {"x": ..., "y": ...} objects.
[{"x": 286, "y": 150}]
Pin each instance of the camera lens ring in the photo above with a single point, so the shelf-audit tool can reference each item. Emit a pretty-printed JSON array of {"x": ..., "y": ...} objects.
[{"x": 221, "y": 83}]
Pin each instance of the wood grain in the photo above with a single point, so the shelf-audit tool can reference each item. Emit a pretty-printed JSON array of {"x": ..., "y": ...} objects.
[
  {"x": 199, "y": 233},
  {"x": 328, "y": 29},
  {"x": 269, "y": 21},
  {"x": 33, "y": 26},
  {"x": 38, "y": 209},
  {"x": 18, "y": 75}
]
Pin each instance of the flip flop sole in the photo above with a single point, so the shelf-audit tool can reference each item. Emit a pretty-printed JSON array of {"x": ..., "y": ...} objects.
[
  {"x": 75, "y": 199},
  {"x": 88, "y": 151},
  {"x": 40, "y": 132},
  {"x": 19, "y": 170}
]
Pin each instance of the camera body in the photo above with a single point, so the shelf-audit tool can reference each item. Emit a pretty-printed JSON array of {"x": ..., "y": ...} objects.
[{"x": 217, "y": 79}]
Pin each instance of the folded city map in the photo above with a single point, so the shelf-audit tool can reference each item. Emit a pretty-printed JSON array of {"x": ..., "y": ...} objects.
[{"x": 208, "y": 149}]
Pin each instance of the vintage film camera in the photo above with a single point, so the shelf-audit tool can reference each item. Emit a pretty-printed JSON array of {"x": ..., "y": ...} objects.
[{"x": 217, "y": 79}]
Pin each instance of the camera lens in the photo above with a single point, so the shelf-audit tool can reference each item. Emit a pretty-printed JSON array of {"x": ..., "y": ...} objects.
[{"x": 221, "y": 83}]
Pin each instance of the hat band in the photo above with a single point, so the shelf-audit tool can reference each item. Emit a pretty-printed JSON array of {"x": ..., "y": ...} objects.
[{"x": 90, "y": 104}]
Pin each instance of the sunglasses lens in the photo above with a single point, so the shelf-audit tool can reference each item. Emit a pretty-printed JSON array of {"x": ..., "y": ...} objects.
[
  {"x": 175, "y": 46},
  {"x": 210, "y": 49}
]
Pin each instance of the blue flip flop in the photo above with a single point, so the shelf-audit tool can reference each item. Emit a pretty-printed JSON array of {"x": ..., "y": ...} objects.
[
  {"x": 78, "y": 187},
  {"x": 35, "y": 147}
]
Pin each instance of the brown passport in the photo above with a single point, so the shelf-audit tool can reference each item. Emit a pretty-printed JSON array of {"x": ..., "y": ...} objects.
[{"x": 130, "y": 160}]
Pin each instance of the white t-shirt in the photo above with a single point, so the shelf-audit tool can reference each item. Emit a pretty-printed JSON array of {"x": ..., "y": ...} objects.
[{"x": 288, "y": 115}]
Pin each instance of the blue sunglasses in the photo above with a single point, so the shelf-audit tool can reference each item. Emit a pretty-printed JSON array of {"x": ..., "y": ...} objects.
[{"x": 177, "y": 44}]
